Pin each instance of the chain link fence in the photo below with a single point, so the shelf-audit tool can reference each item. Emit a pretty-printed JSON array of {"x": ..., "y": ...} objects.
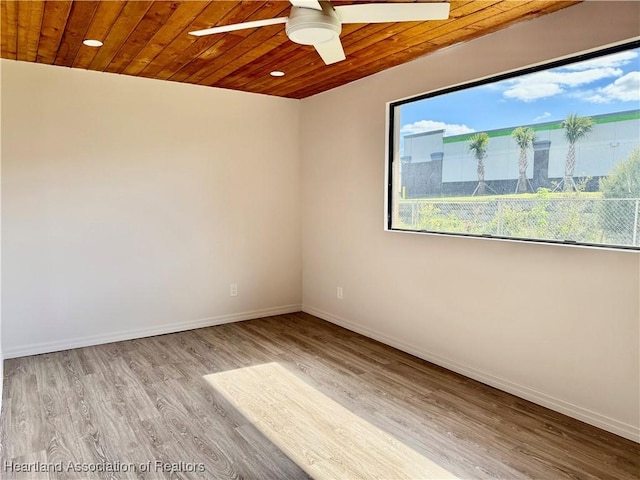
[{"x": 582, "y": 220}]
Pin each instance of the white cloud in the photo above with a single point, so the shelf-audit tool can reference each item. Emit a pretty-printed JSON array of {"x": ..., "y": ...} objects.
[
  {"x": 542, "y": 117},
  {"x": 623, "y": 89},
  {"x": 550, "y": 83},
  {"x": 615, "y": 60},
  {"x": 528, "y": 93},
  {"x": 422, "y": 126}
]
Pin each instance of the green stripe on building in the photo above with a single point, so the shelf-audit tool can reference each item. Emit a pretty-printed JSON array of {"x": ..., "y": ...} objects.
[{"x": 598, "y": 119}]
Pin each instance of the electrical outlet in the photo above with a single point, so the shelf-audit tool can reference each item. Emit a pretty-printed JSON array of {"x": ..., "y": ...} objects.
[
  {"x": 233, "y": 290},
  {"x": 339, "y": 293}
]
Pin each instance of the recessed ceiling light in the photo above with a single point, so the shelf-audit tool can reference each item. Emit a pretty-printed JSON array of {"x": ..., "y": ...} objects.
[
  {"x": 93, "y": 43},
  {"x": 277, "y": 73}
]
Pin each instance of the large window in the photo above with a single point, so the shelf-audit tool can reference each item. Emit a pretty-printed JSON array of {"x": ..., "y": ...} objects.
[{"x": 550, "y": 153}]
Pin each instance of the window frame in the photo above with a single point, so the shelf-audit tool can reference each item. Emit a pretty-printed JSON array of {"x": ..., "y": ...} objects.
[{"x": 519, "y": 72}]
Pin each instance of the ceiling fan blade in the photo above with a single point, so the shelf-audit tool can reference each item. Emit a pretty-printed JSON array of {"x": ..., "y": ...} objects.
[
  {"x": 239, "y": 26},
  {"x": 392, "y": 12},
  {"x": 331, "y": 51},
  {"x": 306, "y": 4}
]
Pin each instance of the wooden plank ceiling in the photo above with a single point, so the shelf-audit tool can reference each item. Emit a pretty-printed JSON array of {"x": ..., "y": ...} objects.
[{"x": 149, "y": 39}]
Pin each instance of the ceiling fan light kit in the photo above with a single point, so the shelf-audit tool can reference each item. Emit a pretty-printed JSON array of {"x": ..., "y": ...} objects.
[
  {"x": 319, "y": 24},
  {"x": 307, "y": 26}
]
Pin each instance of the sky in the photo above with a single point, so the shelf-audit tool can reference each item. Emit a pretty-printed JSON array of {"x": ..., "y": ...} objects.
[{"x": 605, "y": 84}]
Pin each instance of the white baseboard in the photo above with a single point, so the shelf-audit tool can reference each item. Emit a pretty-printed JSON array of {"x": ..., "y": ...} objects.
[
  {"x": 47, "y": 347},
  {"x": 612, "y": 425}
]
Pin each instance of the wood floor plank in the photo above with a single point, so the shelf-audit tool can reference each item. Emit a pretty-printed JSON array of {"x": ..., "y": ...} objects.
[
  {"x": 146, "y": 400},
  {"x": 326, "y": 439}
]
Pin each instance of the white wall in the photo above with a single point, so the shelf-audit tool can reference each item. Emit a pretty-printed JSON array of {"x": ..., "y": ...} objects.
[
  {"x": 130, "y": 205},
  {"x": 558, "y": 325}
]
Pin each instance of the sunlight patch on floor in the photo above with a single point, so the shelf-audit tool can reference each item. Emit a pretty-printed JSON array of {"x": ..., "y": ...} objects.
[{"x": 324, "y": 438}]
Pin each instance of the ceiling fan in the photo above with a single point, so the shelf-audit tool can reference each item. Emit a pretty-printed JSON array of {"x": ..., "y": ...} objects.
[{"x": 318, "y": 23}]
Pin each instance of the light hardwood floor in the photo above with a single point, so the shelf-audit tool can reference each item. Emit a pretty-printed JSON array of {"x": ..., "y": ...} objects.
[{"x": 147, "y": 400}]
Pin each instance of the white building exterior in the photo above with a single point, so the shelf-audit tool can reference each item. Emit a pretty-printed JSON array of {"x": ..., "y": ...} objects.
[{"x": 613, "y": 137}]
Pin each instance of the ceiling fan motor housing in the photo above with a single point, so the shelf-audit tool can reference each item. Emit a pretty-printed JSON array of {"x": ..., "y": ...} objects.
[{"x": 307, "y": 26}]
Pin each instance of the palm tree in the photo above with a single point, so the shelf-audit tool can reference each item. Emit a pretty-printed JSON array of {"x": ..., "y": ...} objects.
[
  {"x": 575, "y": 128},
  {"x": 524, "y": 137},
  {"x": 478, "y": 145}
]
